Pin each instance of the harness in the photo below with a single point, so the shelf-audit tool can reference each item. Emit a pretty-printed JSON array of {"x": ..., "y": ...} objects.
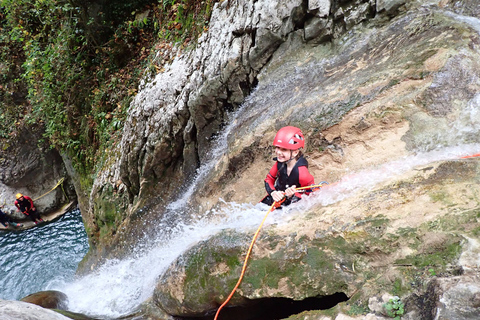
[{"x": 283, "y": 180}]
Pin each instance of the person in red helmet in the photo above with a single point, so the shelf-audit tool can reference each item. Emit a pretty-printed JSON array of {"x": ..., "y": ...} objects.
[
  {"x": 25, "y": 205},
  {"x": 290, "y": 170}
]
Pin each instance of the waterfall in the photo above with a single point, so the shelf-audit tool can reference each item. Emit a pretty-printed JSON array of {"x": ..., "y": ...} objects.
[{"x": 119, "y": 286}]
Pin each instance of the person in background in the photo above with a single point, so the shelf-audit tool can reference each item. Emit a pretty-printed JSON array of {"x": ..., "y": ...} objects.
[
  {"x": 25, "y": 205},
  {"x": 6, "y": 221},
  {"x": 290, "y": 170}
]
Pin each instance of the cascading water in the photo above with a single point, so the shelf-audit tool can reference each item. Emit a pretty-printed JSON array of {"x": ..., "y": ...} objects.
[{"x": 119, "y": 286}]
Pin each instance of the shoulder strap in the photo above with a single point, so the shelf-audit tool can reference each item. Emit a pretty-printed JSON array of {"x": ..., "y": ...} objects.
[{"x": 302, "y": 162}]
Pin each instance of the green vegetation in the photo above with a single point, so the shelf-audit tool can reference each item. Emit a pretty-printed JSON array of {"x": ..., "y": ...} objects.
[
  {"x": 395, "y": 308},
  {"x": 358, "y": 309},
  {"x": 69, "y": 70},
  {"x": 72, "y": 67}
]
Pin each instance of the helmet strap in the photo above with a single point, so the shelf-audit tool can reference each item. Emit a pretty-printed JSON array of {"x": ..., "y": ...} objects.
[{"x": 292, "y": 157}]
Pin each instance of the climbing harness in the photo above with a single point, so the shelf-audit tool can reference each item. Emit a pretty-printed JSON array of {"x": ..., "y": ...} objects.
[{"x": 274, "y": 206}]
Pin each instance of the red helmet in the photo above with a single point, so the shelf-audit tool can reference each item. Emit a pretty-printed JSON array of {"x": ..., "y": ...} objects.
[{"x": 289, "y": 138}]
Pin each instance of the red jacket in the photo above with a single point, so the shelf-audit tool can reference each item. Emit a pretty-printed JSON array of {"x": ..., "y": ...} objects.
[
  {"x": 278, "y": 179},
  {"x": 25, "y": 205}
]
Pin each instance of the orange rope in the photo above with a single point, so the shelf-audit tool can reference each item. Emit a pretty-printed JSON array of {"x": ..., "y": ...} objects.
[
  {"x": 470, "y": 156},
  {"x": 313, "y": 187},
  {"x": 274, "y": 205}
]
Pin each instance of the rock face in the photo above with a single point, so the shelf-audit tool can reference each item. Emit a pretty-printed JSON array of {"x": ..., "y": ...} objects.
[
  {"x": 460, "y": 298},
  {"x": 395, "y": 101},
  {"x": 386, "y": 93},
  {"x": 14, "y": 310},
  {"x": 48, "y": 299},
  {"x": 32, "y": 169},
  {"x": 362, "y": 247},
  {"x": 177, "y": 115}
]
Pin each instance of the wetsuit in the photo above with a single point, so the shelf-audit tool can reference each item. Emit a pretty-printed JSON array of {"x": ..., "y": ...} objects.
[
  {"x": 4, "y": 219},
  {"x": 278, "y": 179},
  {"x": 26, "y": 206}
]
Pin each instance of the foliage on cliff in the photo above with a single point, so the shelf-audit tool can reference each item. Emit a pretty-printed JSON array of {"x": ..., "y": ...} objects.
[{"x": 73, "y": 66}]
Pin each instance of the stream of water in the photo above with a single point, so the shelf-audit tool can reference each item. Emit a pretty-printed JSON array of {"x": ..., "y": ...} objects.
[
  {"x": 46, "y": 257},
  {"x": 120, "y": 286}
]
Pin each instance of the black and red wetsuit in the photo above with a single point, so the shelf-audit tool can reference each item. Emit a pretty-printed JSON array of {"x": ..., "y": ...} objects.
[
  {"x": 26, "y": 206},
  {"x": 4, "y": 219},
  {"x": 278, "y": 180}
]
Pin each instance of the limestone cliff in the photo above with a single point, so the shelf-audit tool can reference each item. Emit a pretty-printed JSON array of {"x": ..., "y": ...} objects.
[
  {"x": 177, "y": 115},
  {"x": 32, "y": 168},
  {"x": 385, "y": 87}
]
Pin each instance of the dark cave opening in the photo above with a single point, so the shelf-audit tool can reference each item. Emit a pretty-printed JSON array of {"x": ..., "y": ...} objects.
[{"x": 273, "y": 308}]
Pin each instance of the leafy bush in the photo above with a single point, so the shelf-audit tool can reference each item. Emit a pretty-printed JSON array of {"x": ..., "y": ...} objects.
[
  {"x": 395, "y": 308},
  {"x": 73, "y": 66}
]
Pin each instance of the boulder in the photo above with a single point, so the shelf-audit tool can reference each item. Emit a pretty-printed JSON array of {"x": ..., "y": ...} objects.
[
  {"x": 15, "y": 310},
  {"x": 50, "y": 299}
]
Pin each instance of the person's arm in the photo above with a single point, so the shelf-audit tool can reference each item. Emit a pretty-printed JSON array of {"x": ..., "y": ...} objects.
[
  {"x": 32, "y": 207},
  {"x": 270, "y": 179},
  {"x": 305, "y": 179},
  {"x": 270, "y": 184}
]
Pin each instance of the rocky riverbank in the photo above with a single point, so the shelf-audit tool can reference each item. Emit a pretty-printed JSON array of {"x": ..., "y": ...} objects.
[{"x": 386, "y": 93}]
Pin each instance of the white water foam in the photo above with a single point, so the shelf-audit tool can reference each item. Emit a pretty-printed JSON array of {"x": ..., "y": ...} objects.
[{"x": 121, "y": 285}]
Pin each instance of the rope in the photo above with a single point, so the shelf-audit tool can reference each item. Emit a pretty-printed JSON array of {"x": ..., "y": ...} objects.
[
  {"x": 471, "y": 156},
  {"x": 58, "y": 183},
  {"x": 64, "y": 193},
  {"x": 274, "y": 205},
  {"x": 317, "y": 186}
]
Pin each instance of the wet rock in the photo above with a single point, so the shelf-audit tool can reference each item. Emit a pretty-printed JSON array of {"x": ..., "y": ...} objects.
[
  {"x": 15, "y": 310},
  {"x": 459, "y": 298},
  {"x": 34, "y": 169},
  {"x": 79, "y": 316},
  {"x": 372, "y": 96},
  {"x": 50, "y": 299},
  {"x": 406, "y": 249},
  {"x": 389, "y": 6},
  {"x": 176, "y": 116}
]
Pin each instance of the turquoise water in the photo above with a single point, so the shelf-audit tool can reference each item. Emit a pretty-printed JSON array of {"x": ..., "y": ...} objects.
[{"x": 40, "y": 258}]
